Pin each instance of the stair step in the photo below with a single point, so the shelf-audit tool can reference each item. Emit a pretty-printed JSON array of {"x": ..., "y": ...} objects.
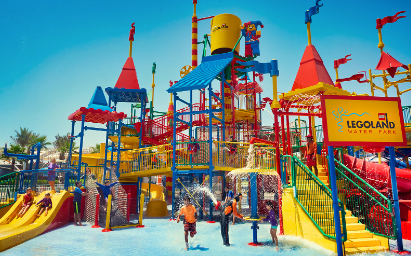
[
  {"x": 362, "y": 242},
  {"x": 355, "y": 226},
  {"x": 351, "y": 219},
  {"x": 371, "y": 249},
  {"x": 359, "y": 234}
]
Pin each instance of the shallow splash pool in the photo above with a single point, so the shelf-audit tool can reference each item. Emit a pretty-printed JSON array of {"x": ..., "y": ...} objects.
[{"x": 162, "y": 237}]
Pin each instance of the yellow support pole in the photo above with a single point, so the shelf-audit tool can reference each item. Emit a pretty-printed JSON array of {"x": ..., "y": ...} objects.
[
  {"x": 140, "y": 216},
  {"x": 275, "y": 103},
  {"x": 131, "y": 48},
  {"x": 314, "y": 131},
  {"x": 380, "y": 43},
  {"x": 108, "y": 212},
  {"x": 309, "y": 33},
  {"x": 336, "y": 73},
  {"x": 371, "y": 83},
  {"x": 379, "y": 158}
]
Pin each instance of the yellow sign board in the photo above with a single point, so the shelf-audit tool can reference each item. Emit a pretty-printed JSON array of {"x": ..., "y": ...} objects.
[{"x": 362, "y": 121}]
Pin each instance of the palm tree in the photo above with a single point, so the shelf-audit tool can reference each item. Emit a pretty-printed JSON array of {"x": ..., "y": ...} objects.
[
  {"x": 23, "y": 138},
  {"x": 36, "y": 137},
  {"x": 96, "y": 149},
  {"x": 14, "y": 149},
  {"x": 62, "y": 145}
]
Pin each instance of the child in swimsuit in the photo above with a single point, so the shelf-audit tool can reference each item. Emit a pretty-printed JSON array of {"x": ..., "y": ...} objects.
[
  {"x": 27, "y": 202},
  {"x": 190, "y": 219},
  {"x": 46, "y": 206},
  {"x": 52, "y": 174},
  {"x": 273, "y": 220}
]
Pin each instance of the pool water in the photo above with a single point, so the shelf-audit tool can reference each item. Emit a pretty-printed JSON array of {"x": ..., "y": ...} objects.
[{"x": 163, "y": 237}]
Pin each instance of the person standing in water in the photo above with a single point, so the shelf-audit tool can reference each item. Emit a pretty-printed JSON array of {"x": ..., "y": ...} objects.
[
  {"x": 190, "y": 219},
  {"x": 273, "y": 221},
  {"x": 225, "y": 210},
  {"x": 311, "y": 151}
]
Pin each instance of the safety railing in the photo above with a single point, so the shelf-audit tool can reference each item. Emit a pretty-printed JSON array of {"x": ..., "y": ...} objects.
[
  {"x": 193, "y": 153},
  {"x": 235, "y": 155},
  {"x": 316, "y": 200},
  {"x": 286, "y": 170},
  {"x": 38, "y": 180},
  {"x": 150, "y": 159},
  {"x": 372, "y": 208},
  {"x": 9, "y": 184}
]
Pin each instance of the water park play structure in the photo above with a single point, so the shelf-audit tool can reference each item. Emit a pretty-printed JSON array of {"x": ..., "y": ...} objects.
[{"x": 352, "y": 206}]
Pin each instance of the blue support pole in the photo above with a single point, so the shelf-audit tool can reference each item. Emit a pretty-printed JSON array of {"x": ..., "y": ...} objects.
[
  {"x": 105, "y": 153},
  {"x": 174, "y": 143},
  {"x": 200, "y": 181},
  {"x": 191, "y": 115},
  {"x": 138, "y": 198},
  {"x": 210, "y": 145},
  {"x": 81, "y": 146},
  {"x": 254, "y": 202},
  {"x": 336, "y": 207},
  {"x": 31, "y": 160},
  {"x": 66, "y": 180},
  {"x": 395, "y": 198},
  {"x": 142, "y": 117},
  {"x": 38, "y": 145},
  {"x": 71, "y": 142},
  {"x": 350, "y": 150}
]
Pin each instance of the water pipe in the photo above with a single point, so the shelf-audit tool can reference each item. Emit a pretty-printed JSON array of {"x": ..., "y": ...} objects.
[{"x": 254, "y": 140}]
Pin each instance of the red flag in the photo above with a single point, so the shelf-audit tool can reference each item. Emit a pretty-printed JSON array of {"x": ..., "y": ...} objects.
[
  {"x": 387, "y": 62},
  {"x": 132, "y": 32},
  {"x": 389, "y": 19},
  {"x": 344, "y": 60},
  {"x": 354, "y": 77}
]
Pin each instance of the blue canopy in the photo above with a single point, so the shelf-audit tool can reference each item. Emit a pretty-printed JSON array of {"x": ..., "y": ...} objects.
[{"x": 204, "y": 74}]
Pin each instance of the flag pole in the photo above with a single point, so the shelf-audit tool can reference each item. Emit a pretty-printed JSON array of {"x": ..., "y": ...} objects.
[{"x": 309, "y": 33}]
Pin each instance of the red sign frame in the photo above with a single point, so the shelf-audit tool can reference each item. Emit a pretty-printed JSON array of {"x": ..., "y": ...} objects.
[{"x": 361, "y": 143}]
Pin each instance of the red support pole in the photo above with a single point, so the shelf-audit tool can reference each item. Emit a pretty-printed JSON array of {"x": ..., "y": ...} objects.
[
  {"x": 280, "y": 204},
  {"x": 277, "y": 138},
  {"x": 128, "y": 206},
  {"x": 97, "y": 212},
  {"x": 283, "y": 135},
  {"x": 289, "y": 136},
  {"x": 310, "y": 131}
]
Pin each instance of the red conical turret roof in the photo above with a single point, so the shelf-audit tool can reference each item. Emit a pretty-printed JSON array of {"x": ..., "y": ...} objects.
[
  {"x": 311, "y": 71},
  {"x": 128, "y": 76}
]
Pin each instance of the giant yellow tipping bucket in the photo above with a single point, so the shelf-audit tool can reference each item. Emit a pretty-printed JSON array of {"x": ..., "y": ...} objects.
[{"x": 225, "y": 32}]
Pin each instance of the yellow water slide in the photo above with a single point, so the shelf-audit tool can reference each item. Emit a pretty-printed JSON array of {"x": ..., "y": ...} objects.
[{"x": 16, "y": 231}]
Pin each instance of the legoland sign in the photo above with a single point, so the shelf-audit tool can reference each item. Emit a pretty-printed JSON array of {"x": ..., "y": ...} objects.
[{"x": 362, "y": 121}]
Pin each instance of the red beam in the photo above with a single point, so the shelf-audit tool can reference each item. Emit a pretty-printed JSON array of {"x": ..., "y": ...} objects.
[
  {"x": 299, "y": 114},
  {"x": 205, "y": 18}
]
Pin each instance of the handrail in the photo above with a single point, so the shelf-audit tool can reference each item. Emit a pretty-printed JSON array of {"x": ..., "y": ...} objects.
[
  {"x": 8, "y": 189},
  {"x": 320, "y": 200},
  {"x": 368, "y": 204}
]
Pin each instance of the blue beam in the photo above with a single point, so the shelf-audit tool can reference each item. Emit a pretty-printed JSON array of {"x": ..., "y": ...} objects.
[
  {"x": 98, "y": 129},
  {"x": 213, "y": 116},
  {"x": 179, "y": 120},
  {"x": 200, "y": 112},
  {"x": 71, "y": 141},
  {"x": 183, "y": 101},
  {"x": 81, "y": 146},
  {"x": 336, "y": 207},
  {"x": 215, "y": 96},
  {"x": 395, "y": 198}
]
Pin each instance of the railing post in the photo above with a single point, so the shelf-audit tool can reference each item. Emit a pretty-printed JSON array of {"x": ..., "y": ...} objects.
[
  {"x": 66, "y": 180},
  {"x": 336, "y": 207},
  {"x": 395, "y": 198}
]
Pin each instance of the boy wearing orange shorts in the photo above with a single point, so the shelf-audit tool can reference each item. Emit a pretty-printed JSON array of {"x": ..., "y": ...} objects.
[{"x": 190, "y": 219}]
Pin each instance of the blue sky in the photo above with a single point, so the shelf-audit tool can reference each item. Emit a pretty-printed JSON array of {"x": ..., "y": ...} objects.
[{"x": 53, "y": 54}]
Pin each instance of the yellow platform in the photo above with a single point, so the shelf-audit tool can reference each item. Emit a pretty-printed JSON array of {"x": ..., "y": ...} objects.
[{"x": 16, "y": 231}]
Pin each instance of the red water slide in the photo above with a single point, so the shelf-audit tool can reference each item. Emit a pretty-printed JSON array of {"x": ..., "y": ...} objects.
[{"x": 378, "y": 176}]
